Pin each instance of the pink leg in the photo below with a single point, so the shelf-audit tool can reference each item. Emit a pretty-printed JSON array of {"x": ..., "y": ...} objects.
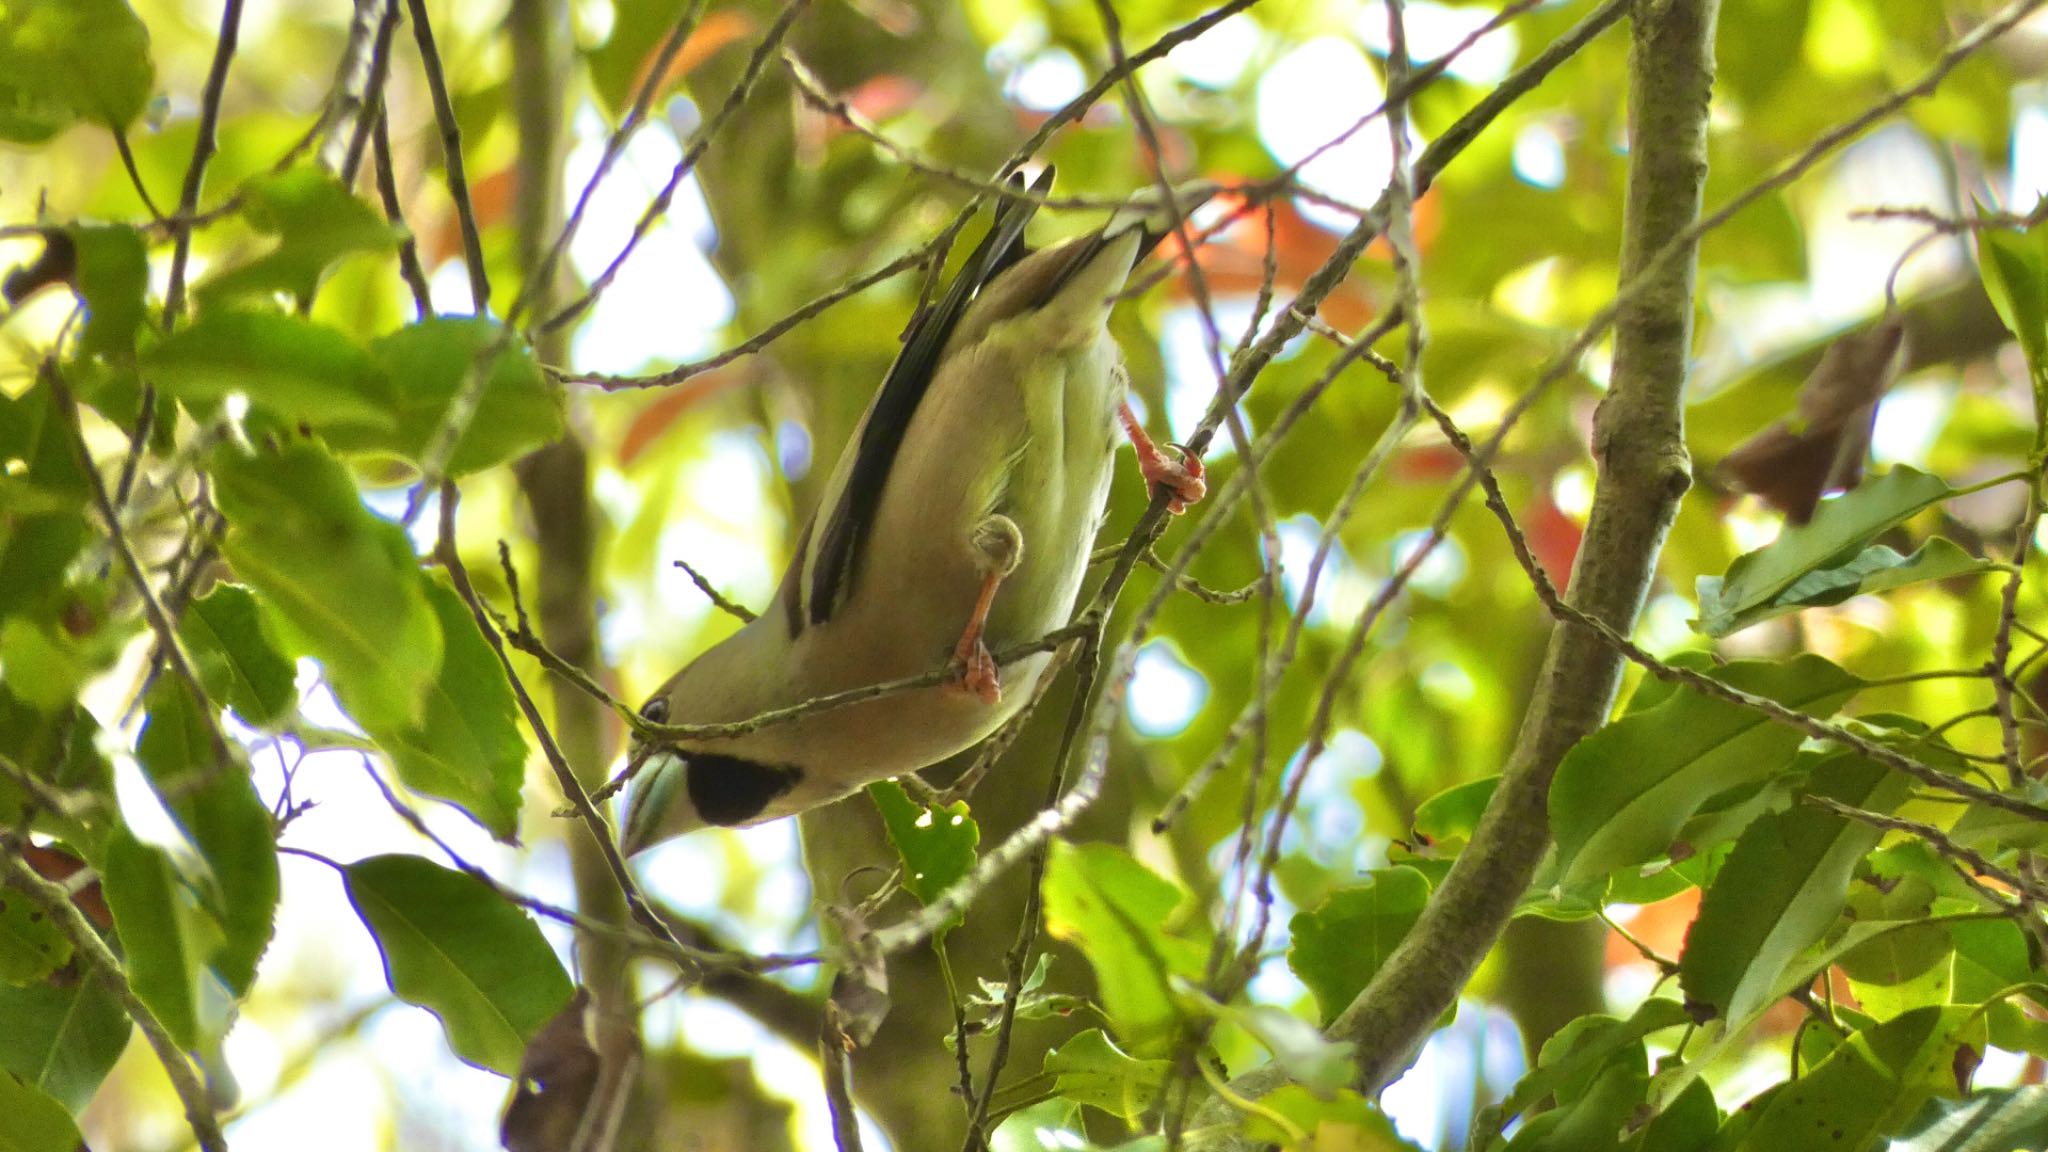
[
  {"x": 1182, "y": 479},
  {"x": 975, "y": 669}
]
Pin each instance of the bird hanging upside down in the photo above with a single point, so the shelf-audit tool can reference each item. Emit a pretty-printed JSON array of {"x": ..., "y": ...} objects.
[{"x": 958, "y": 522}]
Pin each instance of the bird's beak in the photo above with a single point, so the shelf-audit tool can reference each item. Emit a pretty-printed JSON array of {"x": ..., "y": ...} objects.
[{"x": 647, "y": 802}]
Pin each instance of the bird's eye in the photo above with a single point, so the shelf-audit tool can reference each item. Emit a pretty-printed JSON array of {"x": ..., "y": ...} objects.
[{"x": 656, "y": 710}]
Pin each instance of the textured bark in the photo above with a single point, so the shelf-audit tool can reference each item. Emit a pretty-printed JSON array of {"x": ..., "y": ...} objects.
[{"x": 1639, "y": 446}]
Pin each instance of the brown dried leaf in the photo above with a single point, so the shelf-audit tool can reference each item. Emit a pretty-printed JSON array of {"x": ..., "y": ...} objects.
[
  {"x": 557, "y": 1076},
  {"x": 1791, "y": 463}
]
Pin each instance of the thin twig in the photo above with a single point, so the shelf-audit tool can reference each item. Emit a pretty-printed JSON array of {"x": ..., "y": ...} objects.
[{"x": 451, "y": 158}]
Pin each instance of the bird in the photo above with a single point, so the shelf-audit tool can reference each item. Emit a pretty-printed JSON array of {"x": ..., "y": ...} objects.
[{"x": 958, "y": 521}]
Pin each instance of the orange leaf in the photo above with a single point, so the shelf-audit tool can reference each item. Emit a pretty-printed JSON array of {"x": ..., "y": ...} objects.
[
  {"x": 713, "y": 32},
  {"x": 490, "y": 197},
  {"x": 650, "y": 422}
]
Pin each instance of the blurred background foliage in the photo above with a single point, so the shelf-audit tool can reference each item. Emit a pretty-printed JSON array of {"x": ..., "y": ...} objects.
[{"x": 1519, "y": 241}]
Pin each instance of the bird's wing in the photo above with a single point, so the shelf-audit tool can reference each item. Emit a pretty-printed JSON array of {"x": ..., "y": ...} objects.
[{"x": 836, "y": 565}]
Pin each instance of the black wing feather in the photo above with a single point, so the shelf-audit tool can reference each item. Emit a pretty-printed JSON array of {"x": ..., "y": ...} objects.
[{"x": 841, "y": 544}]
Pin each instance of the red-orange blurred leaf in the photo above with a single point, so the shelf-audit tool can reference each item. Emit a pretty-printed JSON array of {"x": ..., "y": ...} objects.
[
  {"x": 58, "y": 867},
  {"x": 491, "y": 197},
  {"x": 714, "y": 31},
  {"x": 884, "y": 96},
  {"x": 650, "y": 422},
  {"x": 1660, "y": 926},
  {"x": 1553, "y": 538},
  {"x": 1428, "y": 463}
]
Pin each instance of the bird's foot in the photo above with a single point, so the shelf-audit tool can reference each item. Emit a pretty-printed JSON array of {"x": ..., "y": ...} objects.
[
  {"x": 974, "y": 671},
  {"x": 1182, "y": 479}
]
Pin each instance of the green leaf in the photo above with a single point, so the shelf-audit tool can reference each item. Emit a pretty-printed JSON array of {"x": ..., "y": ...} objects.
[
  {"x": 467, "y": 749},
  {"x": 936, "y": 845},
  {"x": 458, "y": 949},
  {"x": 1448, "y": 818},
  {"x": 1783, "y": 887},
  {"x": 35, "y": 1123},
  {"x": 165, "y": 937},
  {"x": 1339, "y": 945},
  {"x": 1570, "y": 1061},
  {"x": 1994, "y": 829},
  {"x": 1997, "y": 1121},
  {"x": 290, "y": 369},
  {"x": 2015, "y": 276},
  {"x": 339, "y": 584},
  {"x": 67, "y": 60},
  {"x": 113, "y": 281},
  {"x": 31, "y": 944},
  {"x": 1299, "y": 1048},
  {"x": 1115, "y": 911},
  {"x": 1622, "y": 794},
  {"x": 237, "y": 664},
  {"x": 1875, "y": 569},
  {"x": 45, "y": 666},
  {"x": 316, "y": 221},
  {"x": 429, "y": 364},
  {"x": 61, "y": 749},
  {"x": 62, "y": 1040},
  {"x": 1839, "y": 531},
  {"x": 217, "y": 808},
  {"x": 1090, "y": 1069},
  {"x": 1687, "y": 1124},
  {"x": 1335, "y": 1120},
  {"x": 1870, "y": 1084}
]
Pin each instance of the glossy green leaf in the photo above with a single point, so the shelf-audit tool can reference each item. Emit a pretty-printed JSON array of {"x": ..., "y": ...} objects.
[
  {"x": 1338, "y": 946},
  {"x": 1839, "y": 531},
  {"x": 1298, "y": 1047},
  {"x": 237, "y": 663},
  {"x": 62, "y": 1039},
  {"x": 1447, "y": 819},
  {"x": 1090, "y": 1069},
  {"x": 2015, "y": 272},
  {"x": 1622, "y": 794},
  {"x": 31, "y": 944},
  {"x": 113, "y": 281},
  {"x": 316, "y": 221},
  {"x": 1570, "y": 1062},
  {"x": 68, "y": 60},
  {"x": 936, "y": 845},
  {"x": 1782, "y": 887},
  {"x": 467, "y": 749},
  {"x": 1687, "y": 1124},
  {"x": 1875, "y": 569},
  {"x": 429, "y": 364},
  {"x": 456, "y": 948},
  {"x": 1872, "y": 1083},
  {"x": 1116, "y": 911},
  {"x": 35, "y": 1123},
  {"x": 338, "y": 584},
  {"x": 217, "y": 808},
  {"x": 291, "y": 369},
  {"x": 165, "y": 937},
  {"x": 1996, "y": 1121}
]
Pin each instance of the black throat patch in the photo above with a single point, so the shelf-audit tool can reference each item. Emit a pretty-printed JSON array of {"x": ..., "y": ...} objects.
[{"x": 729, "y": 790}]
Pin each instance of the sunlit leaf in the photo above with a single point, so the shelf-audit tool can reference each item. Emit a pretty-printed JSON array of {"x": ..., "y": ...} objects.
[
  {"x": 1341, "y": 1120},
  {"x": 237, "y": 663},
  {"x": 339, "y": 584},
  {"x": 1338, "y": 946},
  {"x": 165, "y": 937},
  {"x": 113, "y": 282},
  {"x": 936, "y": 845},
  {"x": 1782, "y": 887},
  {"x": 31, "y": 944},
  {"x": 2015, "y": 272},
  {"x": 35, "y": 1122},
  {"x": 1875, "y": 569},
  {"x": 1871, "y": 1083},
  {"x": 467, "y": 749},
  {"x": 290, "y": 369},
  {"x": 456, "y": 948},
  {"x": 429, "y": 364},
  {"x": 217, "y": 808},
  {"x": 1621, "y": 795},
  {"x": 1571, "y": 1060},
  {"x": 1838, "y": 532},
  {"x": 316, "y": 221},
  {"x": 1116, "y": 911},
  {"x": 1090, "y": 1069},
  {"x": 66, "y": 60},
  {"x": 62, "y": 1039}
]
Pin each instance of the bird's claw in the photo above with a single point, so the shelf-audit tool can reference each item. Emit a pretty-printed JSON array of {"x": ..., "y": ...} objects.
[
  {"x": 1182, "y": 479},
  {"x": 974, "y": 670}
]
